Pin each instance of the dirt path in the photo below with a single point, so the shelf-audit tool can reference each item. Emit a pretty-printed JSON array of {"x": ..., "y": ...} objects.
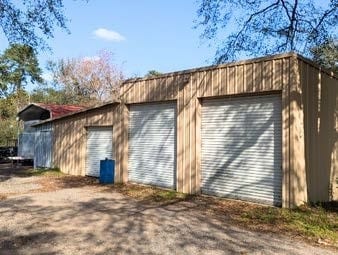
[
  {"x": 88, "y": 220},
  {"x": 45, "y": 216}
]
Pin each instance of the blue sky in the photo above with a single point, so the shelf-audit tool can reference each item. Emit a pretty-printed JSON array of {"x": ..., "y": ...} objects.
[{"x": 143, "y": 35}]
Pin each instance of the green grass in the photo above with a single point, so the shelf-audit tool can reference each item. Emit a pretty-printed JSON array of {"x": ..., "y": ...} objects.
[
  {"x": 149, "y": 193},
  {"x": 49, "y": 172},
  {"x": 309, "y": 222},
  {"x": 313, "y": 222}
]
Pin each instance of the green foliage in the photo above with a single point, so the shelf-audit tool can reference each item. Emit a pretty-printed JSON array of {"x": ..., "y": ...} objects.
[
  {"x": 260, "y": 27},
  {"x": 326, "y": 55},
  {"x": 309, "y": 221},
  {"x": 152, "y": 73},
  {"x": 18, "y": 65},
  {"x": 50, "y": 95},
  {"x": 9, "y": 106},
  {"x": 8, "y": 131},
  {"x": 30, "y": 22}
]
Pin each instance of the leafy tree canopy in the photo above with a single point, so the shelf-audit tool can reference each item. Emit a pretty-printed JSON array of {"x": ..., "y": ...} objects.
[
  {"x": 50, "y": 95},
  {"x": 266, "y": 27},
  {"x": 18, "y": 65},
  {"x": 30, "y": 22},
  {"x": 151, "y": 73},
  {"x": 327, "y": 55}
]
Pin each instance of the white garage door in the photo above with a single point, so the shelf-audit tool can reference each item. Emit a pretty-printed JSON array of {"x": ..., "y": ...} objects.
[
  {"x": 241, "y": 148},
  {"x": 152, "y": 144},
  {"x": 99, "y": 147}
]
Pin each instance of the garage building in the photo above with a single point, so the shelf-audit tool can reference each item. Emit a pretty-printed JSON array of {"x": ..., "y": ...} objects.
[{"x": 262, "y": 130}]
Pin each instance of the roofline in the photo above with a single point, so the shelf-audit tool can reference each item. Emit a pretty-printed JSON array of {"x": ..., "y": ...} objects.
[
  {"x": 317, "y": 66},
  {"x": 211, "y": 67},
  {"x": 75, "y": 113},
  {"x": 234, "y": 63},
  {"x": 30, "y": 105}
]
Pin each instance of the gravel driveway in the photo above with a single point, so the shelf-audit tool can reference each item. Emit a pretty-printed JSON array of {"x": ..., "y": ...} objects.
[{"x": 90, "y": 220}]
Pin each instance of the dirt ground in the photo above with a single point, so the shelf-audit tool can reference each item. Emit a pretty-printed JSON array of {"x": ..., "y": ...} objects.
[{"x": 77, "y": 216}]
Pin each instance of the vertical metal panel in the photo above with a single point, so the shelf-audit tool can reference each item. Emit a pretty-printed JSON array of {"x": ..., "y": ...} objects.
[
  {"x": 241, "y": 148},
  {"x": 69, "y": 143},
  {"x": 43, "y": 149},
  {"x": 26, "y": 145},
  {"x": 99, "y": 147},
  {"x": 152, "y": 144}
]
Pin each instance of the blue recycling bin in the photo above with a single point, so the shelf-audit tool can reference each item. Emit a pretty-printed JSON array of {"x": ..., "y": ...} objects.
[{"x": 107, "y": 171}]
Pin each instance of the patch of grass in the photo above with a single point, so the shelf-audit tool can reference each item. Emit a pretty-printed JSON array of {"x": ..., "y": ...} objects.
[
  {"x": 49, "y": 172},
  {"x": 148, "y": 193},
  {"x": 311, "y": 222}
]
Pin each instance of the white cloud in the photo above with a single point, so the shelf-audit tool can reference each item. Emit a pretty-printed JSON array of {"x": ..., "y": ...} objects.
[{"x": 108, "y": 35}]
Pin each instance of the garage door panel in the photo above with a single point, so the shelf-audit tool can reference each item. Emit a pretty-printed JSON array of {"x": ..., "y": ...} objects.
[
  {"x": 241, "y": 148},
  {"x": 43, "y": 149},
  {"x": 152, "y": 144},
  {"x": 99, "y": 147}
]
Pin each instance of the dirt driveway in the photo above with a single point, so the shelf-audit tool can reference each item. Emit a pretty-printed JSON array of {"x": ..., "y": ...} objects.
[{"x": 91, "y": 220}]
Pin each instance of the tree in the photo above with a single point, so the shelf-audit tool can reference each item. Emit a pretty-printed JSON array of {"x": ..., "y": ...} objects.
[
  {"x": 50, "y": 95},
  {"x": 18, "y": 65},
  {"x": 327, "y": 55},
  {"x": 152, "y": 73},
  {"x": 266, "y": 27},
  {"x": 9, "y": 107},
  {"x": 30, "y": 22},
  {"x": 89, "y": 80}
]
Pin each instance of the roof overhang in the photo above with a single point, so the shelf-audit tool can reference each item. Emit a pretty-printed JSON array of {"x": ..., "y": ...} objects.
[
  {"x": 33, "y": 112},
  {"x": 116, "y": 102}
]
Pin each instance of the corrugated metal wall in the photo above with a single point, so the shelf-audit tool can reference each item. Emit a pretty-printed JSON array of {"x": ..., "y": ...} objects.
[
  {"x": 278, "y": 74},
  {"x": 320, "y": 100},
  {"x": 258, "y": 76},
  {"x": 26, "y": 143},
  {"x": 43, "y": 149},
  {"x": 70, "y": 138}
]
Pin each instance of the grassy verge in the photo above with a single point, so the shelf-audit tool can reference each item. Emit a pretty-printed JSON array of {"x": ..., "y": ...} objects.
[
  {"x": 150, "y": 194},
  {"x": 50, "y": 172},
  {"x": 314, "y": 224}
]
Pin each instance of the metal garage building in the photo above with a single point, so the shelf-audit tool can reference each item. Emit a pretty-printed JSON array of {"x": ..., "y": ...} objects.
[{"x": 260, "y": 130}]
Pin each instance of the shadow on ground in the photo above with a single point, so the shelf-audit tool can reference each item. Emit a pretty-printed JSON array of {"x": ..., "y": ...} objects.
[{"x": 88, "y": 221}]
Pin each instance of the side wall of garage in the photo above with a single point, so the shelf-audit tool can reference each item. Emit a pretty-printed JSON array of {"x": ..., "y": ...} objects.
[
  {"x": 69, "y": 144},
  {"x": 276, "y": 75},
  {"x": 320, "y": 105}
]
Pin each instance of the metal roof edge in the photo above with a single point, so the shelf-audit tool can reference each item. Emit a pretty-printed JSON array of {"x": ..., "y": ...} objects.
[
  {"x": 28, "y": 106},
  {"x": 205, "y": 68},
  {"x": 75, "y": 113},
  {"x": 315, "y": 65}
]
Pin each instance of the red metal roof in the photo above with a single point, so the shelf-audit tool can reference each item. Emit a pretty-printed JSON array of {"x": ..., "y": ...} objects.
[{"x": 57, "y": 110}]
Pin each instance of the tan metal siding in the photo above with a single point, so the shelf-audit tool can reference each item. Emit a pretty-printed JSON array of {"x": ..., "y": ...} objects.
[
  {"x": 297, "y": 185},
  {"x": 264, "y": 75},
  {"x": 320, "y": 95},
  {"x": 309, "y": 114},
  {"x": 69, "y": 145}
]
